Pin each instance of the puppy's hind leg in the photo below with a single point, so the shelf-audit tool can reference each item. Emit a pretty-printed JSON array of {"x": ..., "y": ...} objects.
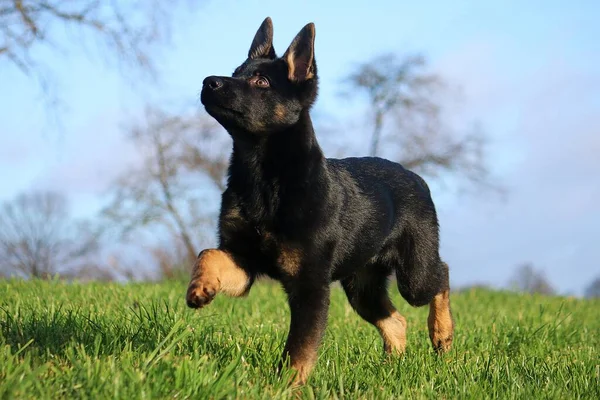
[
  {"x": 368, "y": 295},
  {"x": 439, "y": 321},
  {"x": 423, "y": 279}
]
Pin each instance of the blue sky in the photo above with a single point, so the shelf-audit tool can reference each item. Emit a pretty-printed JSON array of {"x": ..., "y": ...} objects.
[{"x": 529, "y": 73}]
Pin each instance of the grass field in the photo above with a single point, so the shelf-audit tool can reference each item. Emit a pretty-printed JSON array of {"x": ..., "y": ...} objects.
[{"x": 60, "y": 340}]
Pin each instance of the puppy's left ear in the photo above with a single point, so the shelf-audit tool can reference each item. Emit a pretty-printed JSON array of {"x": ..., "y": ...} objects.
[
  {"x": 300, "y": 56},
  {"x": 262, "y": 45}
]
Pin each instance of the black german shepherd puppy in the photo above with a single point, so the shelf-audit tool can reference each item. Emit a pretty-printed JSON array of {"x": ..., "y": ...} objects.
[{"x": 306, "y": 221}]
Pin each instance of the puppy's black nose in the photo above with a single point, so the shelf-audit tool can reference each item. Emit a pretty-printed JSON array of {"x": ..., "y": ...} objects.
[{"x": 213, "y": 82}]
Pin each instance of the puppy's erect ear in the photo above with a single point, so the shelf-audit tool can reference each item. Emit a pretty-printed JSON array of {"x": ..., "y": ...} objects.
[
  {"x": 300, "y": 56},
  {"x": 262, "y": 45}
]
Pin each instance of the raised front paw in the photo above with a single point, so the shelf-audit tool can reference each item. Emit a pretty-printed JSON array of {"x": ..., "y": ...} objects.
[
  {"x": 205, "y": 282},
  {"x": 215, "y": 271},
  {"x": 201, "y": 292}
]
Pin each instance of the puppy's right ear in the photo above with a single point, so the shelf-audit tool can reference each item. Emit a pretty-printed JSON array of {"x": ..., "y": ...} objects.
[
  {"x": 300, "y": 56},
  {"x": 262, "y": 45}
]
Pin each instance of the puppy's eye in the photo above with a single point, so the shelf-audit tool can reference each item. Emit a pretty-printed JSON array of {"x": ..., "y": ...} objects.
[{"x": 261, "y": 81}]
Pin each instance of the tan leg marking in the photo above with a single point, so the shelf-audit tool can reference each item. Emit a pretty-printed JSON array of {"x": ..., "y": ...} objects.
[
  {"x": 393, "y": 332},
  {"x": 215, "y": 271},
  {"x": 440, "y": 323},
  {"x": 289, "y": 260},
  {"x": 303, "y": 367},
  {"x": 303, "y": 361}
]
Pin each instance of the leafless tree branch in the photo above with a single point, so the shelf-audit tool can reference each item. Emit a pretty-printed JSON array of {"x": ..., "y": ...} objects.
[
  {"x": 405, "y": 104},
  {"x": 37, "y": 237},
  {"x": 163, "y": 191},
  {"x": 129, "y": 31}
]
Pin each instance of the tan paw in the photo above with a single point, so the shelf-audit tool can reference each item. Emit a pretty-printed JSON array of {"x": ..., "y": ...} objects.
[{"x": 201, "y": 292}]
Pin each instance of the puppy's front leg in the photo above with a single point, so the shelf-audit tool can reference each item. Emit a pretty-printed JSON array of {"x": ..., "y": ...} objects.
[
  {"x": 309, "y": 306},
  {"x": 216, "y": 271}
]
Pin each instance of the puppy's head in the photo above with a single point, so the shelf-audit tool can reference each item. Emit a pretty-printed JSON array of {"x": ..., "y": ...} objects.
[{"x": 266, "y": 93}]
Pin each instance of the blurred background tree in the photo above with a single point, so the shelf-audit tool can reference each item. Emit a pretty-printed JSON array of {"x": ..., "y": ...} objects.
[
  {"x": 528, "y": 279},
  {"x": 181, "y": 154},
  {"x": 38, "y": 237},
  {"x": 406, "y": 109}
]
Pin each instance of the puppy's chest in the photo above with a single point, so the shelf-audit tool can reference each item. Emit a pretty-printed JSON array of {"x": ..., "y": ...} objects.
[
  {"x": 285, "y": 255},
  {"x": 279, "y": 247},
  {"x": 288, "y": 257}
]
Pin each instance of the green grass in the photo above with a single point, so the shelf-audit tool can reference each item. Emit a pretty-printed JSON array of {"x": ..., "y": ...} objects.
[{"x": 60, "y": 340}]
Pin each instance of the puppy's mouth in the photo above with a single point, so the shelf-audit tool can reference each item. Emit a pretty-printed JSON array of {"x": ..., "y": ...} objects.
[{"x": 217, "y": 108}]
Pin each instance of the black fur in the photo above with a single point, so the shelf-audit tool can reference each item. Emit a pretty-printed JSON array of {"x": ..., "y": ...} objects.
[{"x": 357, "y": 220}]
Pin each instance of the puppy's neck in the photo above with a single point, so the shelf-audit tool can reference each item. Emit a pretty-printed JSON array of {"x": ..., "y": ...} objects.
[
  {"x": 293, "y": 146},
  {"x": 280, "y": 169}
]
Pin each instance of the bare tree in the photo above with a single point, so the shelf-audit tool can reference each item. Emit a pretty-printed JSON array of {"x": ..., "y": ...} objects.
[
  {"x": 172, "y": 261},
  {"x": 126, "y": 31},
  {"x": 530, "y": 280},
  {"x": 166, "y": 190},
  {"x": 406, "y": 106},
  {"x": 593, "y": 290},
  {"x": 38, "y": 238}
]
